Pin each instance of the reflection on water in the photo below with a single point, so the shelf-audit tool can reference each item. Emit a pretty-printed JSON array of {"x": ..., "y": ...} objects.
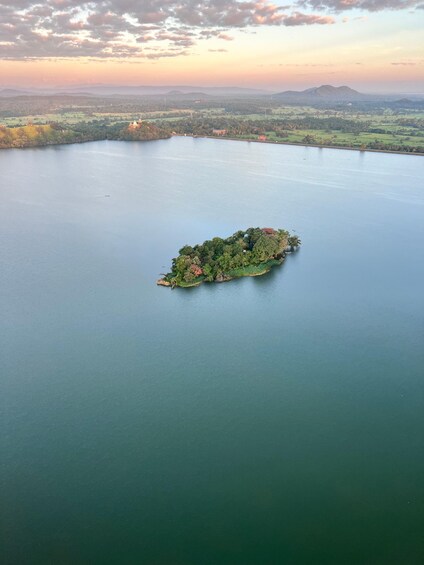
[{"x": 266, "y": 420}]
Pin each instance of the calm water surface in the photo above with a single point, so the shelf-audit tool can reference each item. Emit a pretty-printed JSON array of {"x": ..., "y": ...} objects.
[{"x": 272, "y": 420}]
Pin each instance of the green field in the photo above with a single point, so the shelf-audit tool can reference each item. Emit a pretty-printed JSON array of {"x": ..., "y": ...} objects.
[{"x": 384, "y": 127}]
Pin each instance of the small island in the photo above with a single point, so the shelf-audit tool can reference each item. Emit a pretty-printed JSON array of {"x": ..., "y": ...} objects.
[{"x": 244, "y": 254}]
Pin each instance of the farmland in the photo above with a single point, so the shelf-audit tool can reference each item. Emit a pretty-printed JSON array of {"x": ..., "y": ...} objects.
[{"x": 384, "y": 126}]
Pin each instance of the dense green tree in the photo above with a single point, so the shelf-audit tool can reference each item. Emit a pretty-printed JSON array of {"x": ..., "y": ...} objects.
[
  {"x": 293, "y": 241},
  {"x": 264, "y": 248},
  {"x": 218, "y": 258}
]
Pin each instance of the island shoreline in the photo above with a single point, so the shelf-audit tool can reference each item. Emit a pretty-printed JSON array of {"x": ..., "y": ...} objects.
[
  {"x": 228, "y": 279},
  {"x": 246, "y": 253}
]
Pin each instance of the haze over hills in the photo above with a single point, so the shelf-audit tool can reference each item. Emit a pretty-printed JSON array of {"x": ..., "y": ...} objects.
[
  {"x": 323, "y": 95},
  {"x": 10, "y": 92},
  {"x": 105, "y": 89},
  {"x": 142, "y": 90}
]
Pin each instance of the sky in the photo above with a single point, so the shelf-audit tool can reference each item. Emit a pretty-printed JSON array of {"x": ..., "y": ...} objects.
[{"x": 371, "y": 45}]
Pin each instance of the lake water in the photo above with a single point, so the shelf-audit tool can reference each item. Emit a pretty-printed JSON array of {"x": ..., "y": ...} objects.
[{"x": 269, "y": 420}]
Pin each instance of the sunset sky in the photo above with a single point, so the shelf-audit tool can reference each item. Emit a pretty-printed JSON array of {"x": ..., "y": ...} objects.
[{"x": 371, "y": 45}]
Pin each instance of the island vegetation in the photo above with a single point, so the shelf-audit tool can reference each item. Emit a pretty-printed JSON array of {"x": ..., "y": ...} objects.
[{"x": 246, "y": 253}]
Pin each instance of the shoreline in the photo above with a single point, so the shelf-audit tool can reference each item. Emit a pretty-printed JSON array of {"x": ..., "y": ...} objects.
[
  {"x": 80, "y": 142},
  {"x": 198, "y": 283},
  {"x": 267, "y": 267},
  {"x": 345, "y": 148},
  {"x": 342, "y": 147}
]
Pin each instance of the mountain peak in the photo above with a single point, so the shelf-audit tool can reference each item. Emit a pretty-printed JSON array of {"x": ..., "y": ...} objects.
[
  {"x": 330, "y": 90},
  {"x": 325, "y": 91}
]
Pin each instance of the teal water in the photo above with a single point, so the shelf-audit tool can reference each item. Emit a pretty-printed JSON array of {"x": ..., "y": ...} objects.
[{"x": 270, "y": 420}]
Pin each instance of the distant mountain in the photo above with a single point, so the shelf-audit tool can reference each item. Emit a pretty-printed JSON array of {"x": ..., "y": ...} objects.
[
  {"x": 142, "y": 90},
  {"x": 167, "y": 90},
  {"x": 10, "y": 92},
  {"x": 177, "y": 94},
  {"x": 329, "y": 91},
  {"x": 322, "y": 93},
  {"x": 417, "y": 103}
]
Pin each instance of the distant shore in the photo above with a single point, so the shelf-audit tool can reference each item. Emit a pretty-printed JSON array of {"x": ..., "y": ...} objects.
[
  {"x": 343, "y": 147},
  {"x": 417, "y": 153}
]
